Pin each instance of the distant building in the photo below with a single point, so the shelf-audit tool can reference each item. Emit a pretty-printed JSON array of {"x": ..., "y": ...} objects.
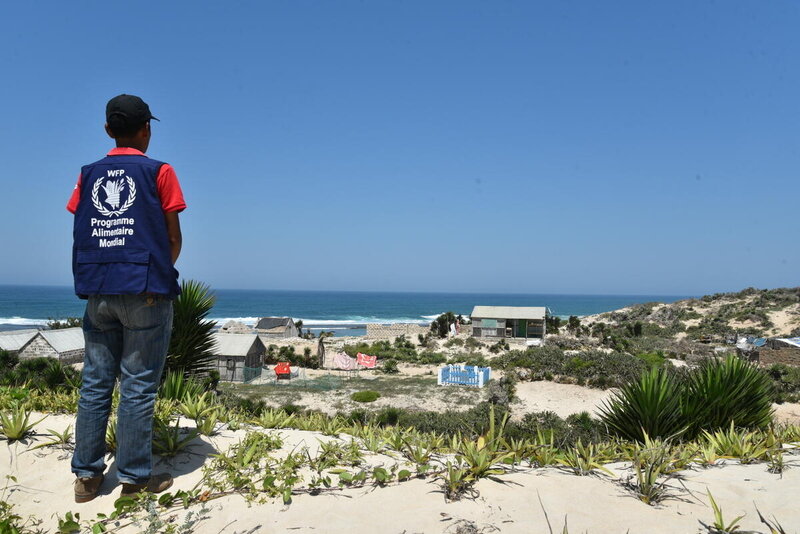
[
  {"x": 239, "y": 356},
  {"x": 276, "y": 327},
  {"x": 66, "y": 345},
  {"x": 13, "y": 340},
  {"x": 236, "y": 327},
  {"x": 509, "y": 322}
]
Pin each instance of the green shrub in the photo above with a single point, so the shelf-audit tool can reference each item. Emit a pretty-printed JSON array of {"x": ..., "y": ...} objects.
[
  {"x": 500, "y": 346},
  {"x": 651, "y": 405},
  {"x": 389, "y": 416},
  {"x": 69, "y": 322},
  {"x": 595, "y": 368},
  {"x": 42, "y": 374},
  {"x": 365, "y": 396},
  {"x": 431, "y": 358},
  {"x": 472, "y": 344},
  {"x": 390, "y": 367},
  {"x": 652, "y": 359},
  {"x": 664, "y": 403},
  {"x": 720, "y": 392},
  {"x": 785, "y": 383}
]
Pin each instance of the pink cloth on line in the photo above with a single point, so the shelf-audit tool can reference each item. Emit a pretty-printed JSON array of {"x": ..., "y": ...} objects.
[
  {"x": 343, "y": 361},
  {"x": 366, "y": 361}
]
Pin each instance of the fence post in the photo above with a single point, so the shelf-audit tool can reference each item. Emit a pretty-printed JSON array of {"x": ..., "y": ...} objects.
[
  {"x": 441, "y": 377},
  {"x": 480, "y": 379}
]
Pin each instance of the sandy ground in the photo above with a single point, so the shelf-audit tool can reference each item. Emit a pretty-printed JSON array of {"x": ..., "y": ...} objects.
[
  {"x": 563, "y": 399},
  {"x": 509, "y": 504}
]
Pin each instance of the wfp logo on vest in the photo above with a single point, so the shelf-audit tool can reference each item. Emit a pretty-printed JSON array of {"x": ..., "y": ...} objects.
[{"x": 115, "y": 187}]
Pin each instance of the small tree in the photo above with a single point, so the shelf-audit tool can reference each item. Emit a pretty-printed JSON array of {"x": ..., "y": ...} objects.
[
  {"x": 441, "y": 325},
  {"x": 553, "y": 323},
  {"x": 574, "y": 324}
]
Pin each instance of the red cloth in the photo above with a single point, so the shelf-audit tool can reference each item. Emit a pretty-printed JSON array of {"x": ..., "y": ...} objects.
[
  {"x": 169, "y": 190},
  {"x": 367, "y": 361}
]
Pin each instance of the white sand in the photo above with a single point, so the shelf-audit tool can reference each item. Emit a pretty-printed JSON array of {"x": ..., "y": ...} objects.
[
  {"x": 594, "y": 504},
  {"x": 563, "y": 399}
]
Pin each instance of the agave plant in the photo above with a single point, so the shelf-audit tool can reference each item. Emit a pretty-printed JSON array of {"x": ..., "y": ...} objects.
[
  {"x": 207, "y": 423},
  {"x": 583, "y": 460},
  {"x": 720, "y": 392},
  {"x": 191, "y": 347},
  {"x": 196, "y": 407},
  {"x": 457, "y": 480},
  {"x": 177, "y": 387},
  {"x": 58, "y": 439},
  {"x": 111, "y": 436},
  {"x": 170, "y": 440},
  {"x": 720, "y": 525},
  {"x": 270, "y": 418},
  {"x": 649, "y": 406},
  {"x": 652, "y": 467},
  {"x": 737, "y": 443},
  {"x": 16, "y": 424}
]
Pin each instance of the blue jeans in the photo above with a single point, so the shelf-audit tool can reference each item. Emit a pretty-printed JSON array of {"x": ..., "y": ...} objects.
[{"x": 127, "y": 336}]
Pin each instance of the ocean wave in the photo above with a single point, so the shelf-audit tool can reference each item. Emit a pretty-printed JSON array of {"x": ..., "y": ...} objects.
[
  {"x": 22, "y": 321},
  {"x": 350, "y": 322}
]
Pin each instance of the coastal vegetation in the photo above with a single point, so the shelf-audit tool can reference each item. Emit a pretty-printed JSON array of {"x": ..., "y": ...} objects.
[
  {"x": 69, "y": 322},
  {"x": 453, "y": 449},
  {"x": 750, "y": 311},
  {"x": 192, "y": 342},
  {"x": 662, "y": 420}
]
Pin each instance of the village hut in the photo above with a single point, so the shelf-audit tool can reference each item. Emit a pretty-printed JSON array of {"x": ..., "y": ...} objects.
[
  {"x": 239, "y": 356},
  {"x": 65, "y": 345},
  {"x": 276, "y": 327}
]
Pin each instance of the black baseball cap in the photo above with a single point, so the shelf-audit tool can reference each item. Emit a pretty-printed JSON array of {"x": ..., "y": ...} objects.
[{"x": 127, "y": 111}]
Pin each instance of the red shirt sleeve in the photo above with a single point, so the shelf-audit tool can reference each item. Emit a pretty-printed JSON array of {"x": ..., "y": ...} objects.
[
  {"x": 72, "y": 205},
  {"x": 169, "y": 190}
]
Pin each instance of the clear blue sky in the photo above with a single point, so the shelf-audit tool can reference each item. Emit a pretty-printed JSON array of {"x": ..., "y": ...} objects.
[{"x": 567, "y": 147}]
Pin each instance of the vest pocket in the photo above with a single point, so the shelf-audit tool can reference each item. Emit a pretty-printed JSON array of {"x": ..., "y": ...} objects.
[{"x": 111, "y": 272}]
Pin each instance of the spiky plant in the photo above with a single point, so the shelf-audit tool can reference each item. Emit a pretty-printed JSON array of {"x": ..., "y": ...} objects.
[
  {"x": 649, "y": 406},
  {"x": 176, "y": 387},
  {"x": 721, "y": 392},
  {"x": 16, "y": 424},
  {"x": 191, "y": 348}
]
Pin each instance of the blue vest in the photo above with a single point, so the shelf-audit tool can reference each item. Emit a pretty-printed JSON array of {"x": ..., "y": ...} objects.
[{"x": 121, "y": 246}]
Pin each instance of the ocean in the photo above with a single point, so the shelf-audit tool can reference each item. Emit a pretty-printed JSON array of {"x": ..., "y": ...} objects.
[{"x": 343, "y": 312}]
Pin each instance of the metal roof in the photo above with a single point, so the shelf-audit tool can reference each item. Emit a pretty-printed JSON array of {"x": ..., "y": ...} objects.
[
  {"x": 234, "y": 344},
  {"x": 794, "y": 341},
  {"x": 15, "y": 339},
  {"x": 64, "y": 339},
  {"x": 267, "y": 323},
  {"x": 509, "y": 312}
]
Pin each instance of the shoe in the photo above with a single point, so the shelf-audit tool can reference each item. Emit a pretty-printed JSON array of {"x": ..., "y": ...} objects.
[
  {"x": 86, "y": 488},
  {"x": 156, "y": 484}
]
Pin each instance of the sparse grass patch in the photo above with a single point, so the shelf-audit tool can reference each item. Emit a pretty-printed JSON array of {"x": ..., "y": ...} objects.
[{"x": 365, "y": 396}]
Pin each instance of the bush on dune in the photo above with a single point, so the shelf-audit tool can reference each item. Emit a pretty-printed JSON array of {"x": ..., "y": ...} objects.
[
  {"x": 42, "y": 374},
  {"x": 594, "y": 368},
  {"x": 663, "y": 404}
]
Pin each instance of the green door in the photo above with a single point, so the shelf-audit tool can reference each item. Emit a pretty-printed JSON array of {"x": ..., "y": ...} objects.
[{"x": 522, "y": 327}]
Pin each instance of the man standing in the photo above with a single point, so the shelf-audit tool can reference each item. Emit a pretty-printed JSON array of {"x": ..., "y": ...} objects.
[{"x": 127, "y": 237}]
